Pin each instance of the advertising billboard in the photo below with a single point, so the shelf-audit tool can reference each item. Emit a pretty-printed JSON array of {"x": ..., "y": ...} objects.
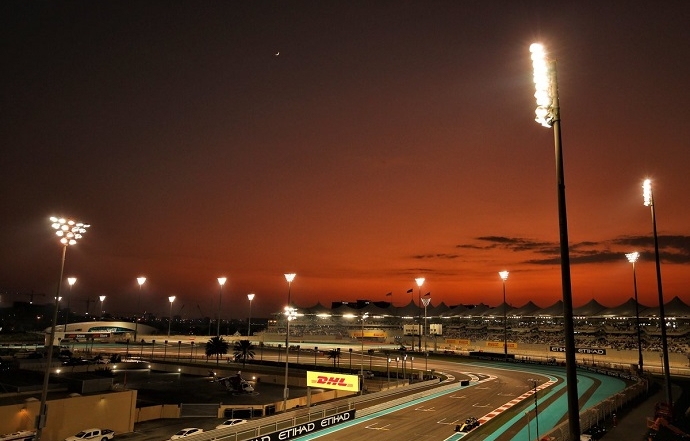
[{"x": 328, "y": 380}]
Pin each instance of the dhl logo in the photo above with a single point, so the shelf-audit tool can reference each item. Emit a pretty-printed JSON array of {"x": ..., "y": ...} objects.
[{"x": 332, "y": 381}]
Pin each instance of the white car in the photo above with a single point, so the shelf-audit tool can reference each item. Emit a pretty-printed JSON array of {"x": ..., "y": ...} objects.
[
  {"x": 231, "y": 422},
  {"x": 186, "y": 432}
]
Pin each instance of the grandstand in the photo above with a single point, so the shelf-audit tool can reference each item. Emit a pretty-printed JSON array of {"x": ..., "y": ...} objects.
[{"x": 595, "y": 324}]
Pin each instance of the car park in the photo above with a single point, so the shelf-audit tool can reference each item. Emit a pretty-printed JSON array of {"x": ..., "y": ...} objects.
[
  {"x": 186, "y": 432},
  {"x": 230, "y": 423}
]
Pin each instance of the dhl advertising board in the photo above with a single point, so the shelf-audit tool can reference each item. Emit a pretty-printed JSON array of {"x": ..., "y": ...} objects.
[{"x": 328, "y": 380}]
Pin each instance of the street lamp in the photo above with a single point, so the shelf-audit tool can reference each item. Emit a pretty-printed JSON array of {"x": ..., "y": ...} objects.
[
  {"x": 426, "y": 300},
  {"x": 632, "y": 258},
  {"x": 361, "y": 360},
  {"x": 140, "y": 281},
  {"x": 649, "y": 202},
  {"x": 289, "y": 315},
  {"x": 504, "y": 277},
  {"x": 221, "y": 282},
  {"x": 171, "y": 299},
  {"x": 69, "y": 233},
  {"x": 71, "y": 281},
  {"x": 420, "y": 282},
  {"x": 102, "y": 299},
  {"x": 249, "y": 319},
  {"x": 548, "y": 114}
]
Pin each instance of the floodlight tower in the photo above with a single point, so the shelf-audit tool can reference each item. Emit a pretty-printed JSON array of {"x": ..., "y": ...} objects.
[
  {"x": 649, "y": 202},
  {"x": 548, "y": 114},
  {"x": 69, "y": 233},
  {"x": 504, "y": 276}
]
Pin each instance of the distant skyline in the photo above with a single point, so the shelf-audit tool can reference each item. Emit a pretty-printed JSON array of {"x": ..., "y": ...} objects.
[{"x": 357, "y": 144}]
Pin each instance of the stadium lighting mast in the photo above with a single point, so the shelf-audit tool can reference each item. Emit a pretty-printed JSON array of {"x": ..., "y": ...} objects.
[
  {"x": 71, "y": 281},
  {"x": 289, "y": 315},
  {"x": 548, "y": 114},
  {"x": 250, "y": 297},
  {"x": 221, "y": 282},
  {"x": 171, "y": 299},
  {"x": 69, "y": 233},
  {"x": 102, "y": 299},
  {"x": 420, "y": 282},
  {"x": 140, "y": 281},
  {"x": 649, "y": 202},
  {"x": 504, "y": 277},
  {"x": 632, "y": 258}
]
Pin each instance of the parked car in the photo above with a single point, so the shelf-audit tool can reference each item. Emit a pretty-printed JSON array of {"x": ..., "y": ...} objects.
[
  {"x": 186, "y": 432},
  {"x": 92, "y": 434},
  {"x": 231, "y": 422}
]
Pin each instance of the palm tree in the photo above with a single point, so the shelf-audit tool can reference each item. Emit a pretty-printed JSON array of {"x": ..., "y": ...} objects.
[
  {"x": 216, "y": 346},
  {"x": 334, "y": 354},
  {"x": 243, "y": 351}
]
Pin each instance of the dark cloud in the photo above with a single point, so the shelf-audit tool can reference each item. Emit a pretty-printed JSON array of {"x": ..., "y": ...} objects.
[
  {"x": 435, "y": 256},
  {"x": 672, "y": 248}
]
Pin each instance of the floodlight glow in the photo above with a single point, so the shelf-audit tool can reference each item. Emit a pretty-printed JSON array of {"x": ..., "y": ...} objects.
[
  {"x": 171, "y": 299},
  {"x": 543, "y": 83},
  {"x": 504, "y": 275},
  {"x": 632, "y": 257},
  {"x": 290, "y": 277},
  {"x": 250, "y": 297},
  {"x": 101, "y": 298},
  {"x": 647, "y": 193},
  {"x": 222, "y": 280},
  {"x": 68, "y": 230},
  {"x": 141, "y": 281},
  {"x": 420, "y": 281}
]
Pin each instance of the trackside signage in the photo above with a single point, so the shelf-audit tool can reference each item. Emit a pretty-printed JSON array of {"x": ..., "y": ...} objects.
[
  {"x": 588, "y": 351},
  {"x": 307, "y": 428},
  {"x": 327, "y": 380}
]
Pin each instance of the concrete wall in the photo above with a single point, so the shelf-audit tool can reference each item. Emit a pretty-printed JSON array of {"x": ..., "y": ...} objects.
[
  {"x": 157, "y": 412},
  {"x": 111, "y": 410}
]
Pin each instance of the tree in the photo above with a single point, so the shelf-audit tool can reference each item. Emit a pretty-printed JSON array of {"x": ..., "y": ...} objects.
[
  {"x": 244, "y": 350},
  {"x": 217, "y": 346},
  {"x": 334, "y": 354}
]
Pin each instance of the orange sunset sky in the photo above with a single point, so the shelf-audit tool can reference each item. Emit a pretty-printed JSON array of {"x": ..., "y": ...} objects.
[{"x": 358, "y": 144}]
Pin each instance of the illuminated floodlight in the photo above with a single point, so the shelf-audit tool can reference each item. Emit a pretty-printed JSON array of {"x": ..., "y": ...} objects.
[
  {"x": 503, "y": 275},
  {"x": 544, "y": 93},
  {"x": 68, "y": 230},
  {"x": 632, "y": 257},
  {"x": 647, "y": 193}
]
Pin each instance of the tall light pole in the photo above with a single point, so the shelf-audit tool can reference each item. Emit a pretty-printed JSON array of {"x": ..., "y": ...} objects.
[
  {"x": 548, "y": 114},
  {"x": 289, "y": 315},
  {"x": 171, "y": 299},
  {"x": 69, "y": 233},
  {"x": 361, "y": 360},
  {"x": 425, "y": 301},
  {"x": 420, "y": 282},
  {"x": 504, "y": 277},
  {"x": 102, "y": 299},
  {"x": 649, "y": 202},
  {"x": 140, "y": 281},
  {"x": 632, "y": 258},
  {"x": 71, "y": 281},
  {"x": 250, "y": 297},
  {"x": 221, "y": 282}
]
